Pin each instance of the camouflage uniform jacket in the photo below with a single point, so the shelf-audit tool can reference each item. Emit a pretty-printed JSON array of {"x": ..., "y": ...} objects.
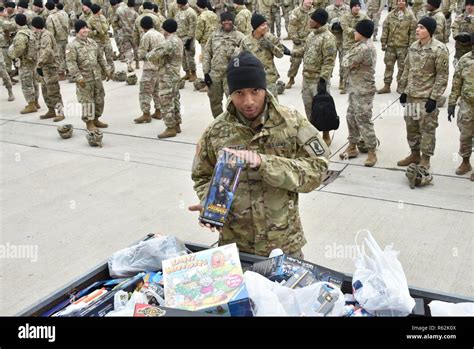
[
  {"x": 157, "y": 18},
  {"x": 150, "y": 40},
  {"x": 463, "y": 24},
  {"x": 43, "y": 14},
  {"x": 58, "y": 26},
  {"x": 186, "y": 19},
  {"x": 48, "y": 53},
  {"x": 319, "y": 54},
  {"x": 219, "y": 49},
  {"x": 99, "y": 28},
  {"x": 441, "y": 34},
  {"x": 172, "y": 10},
  {"x": 426, "y": 70},
  {"x": 398, "y": 29},
  {"x": 84, "y": 61},
  {"x": 167, "y": 56},
  {"x": 264, "y": 54},
  {"x": 7, "y": 29},
  {"x": 463, "y": 80},
  {"x": 335, "y": 14},
  {"x": 242, "y": 21},
  {"x": 264, "y": 214},
  {"x": 125, "y": 19},
  {"x": 24, "y": 47},
  {"x": 348, "y": 24},
  {"x": 207, "y": 22},
  {"x": 298, "y": 24},
  {"x": 360, "y": 62}
]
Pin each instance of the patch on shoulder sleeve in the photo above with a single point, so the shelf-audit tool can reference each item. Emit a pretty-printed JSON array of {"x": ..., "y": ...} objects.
[{"x": 316, "y": 146}]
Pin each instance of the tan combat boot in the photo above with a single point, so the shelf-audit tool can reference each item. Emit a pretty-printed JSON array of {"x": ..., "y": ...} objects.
[
  {"x": 178, "y": 128},
  {"x": 137, "y": 65},
  {"x": 290, "y": 83},
  {"x": 193, "y": 76},
  {"x": 464, "y": 168},
  {"x": 169, "y": 132},
  {"x": 37, "y": 105},
  {"x": 472, "y": 176},
  {"x": 187, "y": 76},
  {"x": 371, "y": 158},
  {"x": 59, "y": 117},
  {"x": 146, "y": 117},
  {"x": 384, "y": 89},
  {"x": 99, "y": 124},
  {"x": 49, "y": 114},
  {"x": 350, "y": 152},
  {"x": 157, "y": 114},
  {"x": 341, "y": 83},
  {"x": 425, "y": 161},
  {"x": 30, "y": 108},
  {"x": 327, "y": 138},
  {"x": 413, "y": 158},
  {"x": 204, "y": 89},
  {"x": 11, "y": 96},
  {"x": 90, "y": 125},
  {"x": 343, "y": 90}
]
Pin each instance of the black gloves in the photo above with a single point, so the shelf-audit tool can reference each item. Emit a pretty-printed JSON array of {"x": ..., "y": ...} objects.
[
  {"x": 187, "y": 44},
  {"x": 207, "y": 80},
  {"x": 322, "y": 86},
  {"x": 39, "y": 71},
  {"x": 389, "y": 8},
  {"x": 403, "y": 99},
  {"x": 447, "y": 15},
  {"x": 430, "y": 105},
  {"x": 286, "y": 50},
  {"x": 451, "y": 112},
  {"x": 463, "y": 38},
  {"x": 336, "y": 27}
]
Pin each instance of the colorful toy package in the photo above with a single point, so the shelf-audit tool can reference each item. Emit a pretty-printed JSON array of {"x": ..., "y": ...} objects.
[
  {"x": 222, "y": 189},
  {"x": 209, "y": 281}
]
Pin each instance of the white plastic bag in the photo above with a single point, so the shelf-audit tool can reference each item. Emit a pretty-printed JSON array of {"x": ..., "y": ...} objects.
[
  {"x": 379, "y": 282},
  {"x": 145, "y": 256},
  {"x": 438, "y": 308},
  {"x": 273, "y": 299}
]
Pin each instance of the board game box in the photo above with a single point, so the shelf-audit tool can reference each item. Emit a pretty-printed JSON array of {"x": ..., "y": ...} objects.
[
  {"x": 222, "y": 189},
  {"x": 287, "y": 269},
  {"x": 209, "y": 281}
]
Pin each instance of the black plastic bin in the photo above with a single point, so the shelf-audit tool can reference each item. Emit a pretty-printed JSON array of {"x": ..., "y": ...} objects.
[{"x": 101, "y": 272}]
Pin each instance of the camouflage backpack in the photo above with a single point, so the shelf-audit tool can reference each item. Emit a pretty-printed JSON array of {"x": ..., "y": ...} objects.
[{"x": 65, "y": 131}]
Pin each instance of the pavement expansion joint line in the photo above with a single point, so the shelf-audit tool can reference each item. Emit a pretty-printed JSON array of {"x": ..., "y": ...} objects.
[
  {"x": 396, "y": 202},
  {"x": 96, "y": 156}
]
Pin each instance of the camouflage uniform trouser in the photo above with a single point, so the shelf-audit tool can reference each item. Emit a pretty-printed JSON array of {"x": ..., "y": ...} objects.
[
  {"x": 92, "y": 99},
  {"x": 62, "y": 56},
  {"x": 105, "y": 48},
  {"x": 169, "y": 101},
  {"x": 295, "y": 62},
  {"x": 421, "y": 126},
  {"x": 275, "y": 20},
  {"x": 374, "y": 17},
  {"x": 188, "y": 57},
  {"x": 4, "y": 73},
  {"x": 8, "y": 61},
  {"x": 128, "y": 45},
  {"x": 341, "y": 56},
  {"x": 309, "y": 90},
  {"x": 149, "y": 90},
  {"x": 272, "y": 87},
  {"x": 359, "y": 119},
  {"x": 394, "y": 55},
  {"x": 118, "y": 43},
  {"x": 216, "y": 93},
  {"x": 29, "y": 84},
  {"x": 286, "y": 15},
  {"x": 50, "y": 88},
  {"x": 466, "y": 127}
]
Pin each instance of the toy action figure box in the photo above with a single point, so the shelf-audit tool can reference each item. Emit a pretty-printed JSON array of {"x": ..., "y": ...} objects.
[
  {"x": 209, "y": 281},
  {"x": 296, "y": 273},
  {"x": 222, "y": 189}
]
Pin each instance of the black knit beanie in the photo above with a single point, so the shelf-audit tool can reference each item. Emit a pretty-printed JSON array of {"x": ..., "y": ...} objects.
[
  {"x": 429, "y": 23},
  {"x": 201, "y": 3},
  {"x": 95, "y": 8},
  {"x": 20, "y": 19},
  {"x": 147, "y": 5},
  {"x": 50, "y": 5},
  {"x": 320, "y": 16},
  {"x": 365, "y": 28},
  {"x": 245, "y": 71},
  {"x": 257, "y": 20},
  {"x": 79, "y": 25},
  {"x": 354, "y": 3},
  {"x": 170, "y": 25},
  {"x": 227, "y": 16},
  {"x": 37, "y": 22},
  {"x": 146, "y": 22},
  {"x": 434, "y": 3}
]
